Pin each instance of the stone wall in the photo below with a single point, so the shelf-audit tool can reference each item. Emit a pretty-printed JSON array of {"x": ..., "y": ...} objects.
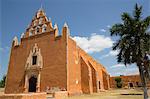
[
  {"x": 73, "y": 68},
  {"x": 64, "y": 65},
  {"x": 53, "y": 72},
  {"x": 61, "y": 95},
  {"x": 84, "y": 73},
  {"x": 134, "y": 79},
  {"x": 84, "y": 77},
  {"x": 24, "y": 96}
]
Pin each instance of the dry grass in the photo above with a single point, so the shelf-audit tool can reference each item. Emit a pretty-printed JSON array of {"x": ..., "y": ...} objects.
[{"x": 112, "y": 94}]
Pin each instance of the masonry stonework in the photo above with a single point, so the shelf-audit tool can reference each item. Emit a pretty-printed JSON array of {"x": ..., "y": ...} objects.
[
  {"x": 44, "y": 60},
  {"x": 128, "y": 81}
]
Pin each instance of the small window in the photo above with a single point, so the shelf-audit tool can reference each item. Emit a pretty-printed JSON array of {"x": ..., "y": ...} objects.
[
  {"x": 38, "y": 30},
  {"x": 35, "y": 23},
  {"x": 34, "y": 60},
  {"x": 44, "y": 28},
  {"x": 30, "y": 33},
  {"x": 99, "y": 83},
  {"x": 40, "y": 20}
]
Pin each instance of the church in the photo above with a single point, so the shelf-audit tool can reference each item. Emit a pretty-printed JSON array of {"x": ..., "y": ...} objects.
[{"x": 42, "y": 60}]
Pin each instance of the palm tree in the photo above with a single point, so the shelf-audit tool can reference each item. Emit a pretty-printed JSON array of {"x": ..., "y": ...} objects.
[{"x": 134, "y": 42}]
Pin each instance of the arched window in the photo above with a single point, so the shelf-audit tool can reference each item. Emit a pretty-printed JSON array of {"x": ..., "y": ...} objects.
[
  {"x": 37, "y": 30},
  {"x": 38, "y": 14},
  {"x": 35, "y": 22},
  {"x": 40, "y": 20},
  {"x": 30, "y": 32},
  {"x": 44, "y": 27},
  {"x": 34, "y": 60}
]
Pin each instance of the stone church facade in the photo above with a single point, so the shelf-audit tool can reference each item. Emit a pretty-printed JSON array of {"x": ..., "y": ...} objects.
[{"x": 43, "y": 59}]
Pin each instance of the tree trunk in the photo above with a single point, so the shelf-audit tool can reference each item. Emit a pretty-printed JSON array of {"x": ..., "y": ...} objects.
[{"x": 143, "y": 80}]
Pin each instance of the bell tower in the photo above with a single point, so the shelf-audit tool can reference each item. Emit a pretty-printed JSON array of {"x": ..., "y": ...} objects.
[
  {"x": 39, "y": 24},
  {"x": 65, "y": 31}
]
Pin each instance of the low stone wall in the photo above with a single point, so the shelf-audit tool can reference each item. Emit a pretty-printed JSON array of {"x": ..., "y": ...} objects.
[
  {"x": 24, "y": 96},
  {"x": 60, "y": 94}
]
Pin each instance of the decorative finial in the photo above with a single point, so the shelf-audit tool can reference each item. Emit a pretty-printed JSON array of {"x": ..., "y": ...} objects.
[
  {"x": 22, "y": 35},
  {"x": 65, "y": 24},
  {"x": 15, "y": 38},
  {"x": 15, "y": 41},
  {"x": 28, "y": 25},
  {"x": 55, "y": 26},
  {"x": 49, "y": 19},
  {"x": 41, "y": 6}
]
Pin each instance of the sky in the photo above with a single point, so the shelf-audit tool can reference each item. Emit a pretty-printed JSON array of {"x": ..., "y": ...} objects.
[{"x": 89, "y": 22}]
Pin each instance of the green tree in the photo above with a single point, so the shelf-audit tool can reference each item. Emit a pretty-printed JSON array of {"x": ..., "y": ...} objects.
[
  {"x": 2, "y": 82},
  {"x": 134, "y": 41},
  {"x": 118, "y": 82}
]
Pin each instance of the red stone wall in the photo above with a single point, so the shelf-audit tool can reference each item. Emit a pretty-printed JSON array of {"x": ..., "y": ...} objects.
[
  {"x": 99, "y": 71},
  {"x": 61, "y": 95},
  {"x": 84, "y": 77},
  {"x": 73, "y": 67},
  {"x": 24, "y": 96},
  {"x": 88, "y": 71},
  {"x": 94, "y": 79},
  {"x": 125, "y": 80},
  {"x": 54, "y": 71},
  {"x": 65, "y": 65},
  {"x": 105, "y": 81}
]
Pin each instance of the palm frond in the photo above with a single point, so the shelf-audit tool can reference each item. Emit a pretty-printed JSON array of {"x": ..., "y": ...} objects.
[
  {"x": 127, "y": 19},
  {"x": 137, "y": 12},
  {"x": 146, "y": 23},
  {"x": 116, "y": 29}
]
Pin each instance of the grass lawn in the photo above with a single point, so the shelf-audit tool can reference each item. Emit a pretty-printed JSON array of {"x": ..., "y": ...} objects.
[{"x": 112, "y": 94}]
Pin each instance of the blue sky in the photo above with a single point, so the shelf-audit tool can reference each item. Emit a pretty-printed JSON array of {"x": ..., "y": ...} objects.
[{"x": 89, "y": 22}]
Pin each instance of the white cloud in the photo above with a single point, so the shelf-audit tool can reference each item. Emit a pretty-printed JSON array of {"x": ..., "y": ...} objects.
[
  {"x": 117, "y": 66},
  {"x": 102, "y": 30},
  {"x": 131, "y": 71},
  {"x": 94, "y": 43},
  {"x": 111, "y": 53},
  {"x": 108, "y": 26},
  {"x": 121, "y": 69}
]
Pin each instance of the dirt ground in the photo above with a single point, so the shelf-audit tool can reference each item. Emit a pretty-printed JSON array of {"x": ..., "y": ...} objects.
[
  {"x": 112, "y": 94},
  {"x": 1, "y": 90}
]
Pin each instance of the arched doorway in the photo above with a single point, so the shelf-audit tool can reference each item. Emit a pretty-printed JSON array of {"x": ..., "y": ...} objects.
[
  {"x": 130, "y": 85},
  {"x": 32, "y": 84}
]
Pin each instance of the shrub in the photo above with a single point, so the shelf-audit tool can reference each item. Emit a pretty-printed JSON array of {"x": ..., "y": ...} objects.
[
  {"x": 118, "y": 82},
  {"x": 2, "y": 82}
]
